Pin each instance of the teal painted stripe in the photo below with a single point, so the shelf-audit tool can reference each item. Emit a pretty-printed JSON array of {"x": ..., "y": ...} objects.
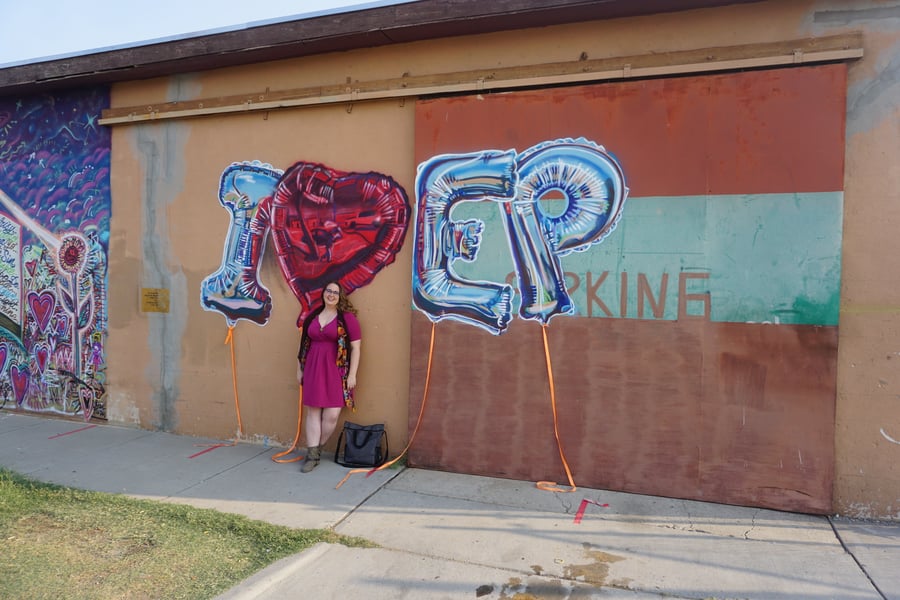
[{"x": 757, "y": 258}]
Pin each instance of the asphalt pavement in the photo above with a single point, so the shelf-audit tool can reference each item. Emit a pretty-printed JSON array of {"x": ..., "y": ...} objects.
[{"x": 446, "y": 535}]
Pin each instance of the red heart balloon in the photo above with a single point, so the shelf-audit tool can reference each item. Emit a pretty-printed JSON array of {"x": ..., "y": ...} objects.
[{"x": 329, "y": 225}]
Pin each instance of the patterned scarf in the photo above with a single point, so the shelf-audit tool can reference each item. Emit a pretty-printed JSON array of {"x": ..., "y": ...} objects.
[{"x": 343, "y": 352}]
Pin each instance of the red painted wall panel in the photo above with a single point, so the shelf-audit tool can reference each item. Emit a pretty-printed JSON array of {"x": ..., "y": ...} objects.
[
  {"x": 771, "y": 131},
  {"x": 723, "y": 412}
]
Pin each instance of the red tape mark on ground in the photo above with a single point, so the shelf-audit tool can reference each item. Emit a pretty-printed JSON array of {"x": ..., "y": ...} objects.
[
  {"x": 210, "y": 449},
  {"x": 580, "y": 514},
  {"x": 71, "y": 432}
]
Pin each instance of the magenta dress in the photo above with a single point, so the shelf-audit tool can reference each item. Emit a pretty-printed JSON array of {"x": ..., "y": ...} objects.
[{"x": 322, "y": 384}]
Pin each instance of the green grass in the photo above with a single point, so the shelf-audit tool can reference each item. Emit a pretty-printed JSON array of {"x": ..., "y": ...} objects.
[{"x": 58, "y": 542}]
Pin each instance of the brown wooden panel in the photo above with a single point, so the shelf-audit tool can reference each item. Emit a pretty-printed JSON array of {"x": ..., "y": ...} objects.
[{"x": 724, "y": 412}]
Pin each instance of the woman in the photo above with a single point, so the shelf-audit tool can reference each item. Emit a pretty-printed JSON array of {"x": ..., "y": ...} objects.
[{"x": 326, "y": 368}]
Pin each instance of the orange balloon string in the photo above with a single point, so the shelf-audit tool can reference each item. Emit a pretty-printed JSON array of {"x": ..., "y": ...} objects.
[
  {"x": 369, "y": 472},
  {"x": 551, "y": 486},
  {"x": 278, "y": 457},
  {"x": 229, "y": 339}
]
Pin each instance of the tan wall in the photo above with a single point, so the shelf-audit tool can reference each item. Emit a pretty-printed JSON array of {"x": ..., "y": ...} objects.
[{"x": 173, "y": 370}]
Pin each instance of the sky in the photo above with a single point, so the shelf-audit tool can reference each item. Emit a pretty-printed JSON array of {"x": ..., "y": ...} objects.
[{"x": 35, "y": 30}]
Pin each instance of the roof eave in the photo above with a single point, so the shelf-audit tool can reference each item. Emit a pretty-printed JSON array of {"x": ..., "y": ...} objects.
[{"x": 336, "y": 32}]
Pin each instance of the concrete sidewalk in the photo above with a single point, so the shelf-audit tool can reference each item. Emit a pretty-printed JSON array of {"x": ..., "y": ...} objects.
[{"x": 444, "y": 535}]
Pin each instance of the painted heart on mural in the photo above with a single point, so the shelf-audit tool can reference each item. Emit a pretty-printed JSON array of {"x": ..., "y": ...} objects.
[
  {"x": 4, "y": 353},
  {"x": 42, "y": 306},
  {"x": 61, "y": 324},
  {"x": 41, "y": 354},
  {"x": 20, "y": 380},
  {"x": 330, "y": 225}
]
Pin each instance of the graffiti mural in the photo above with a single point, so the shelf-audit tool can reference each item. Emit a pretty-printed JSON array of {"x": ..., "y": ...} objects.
[
  {"x": 586, "y": 180},
  {"x": 54, "y": 236},
  {"x": 698, "y": 349},
  {"x": 326, "y": 225}
]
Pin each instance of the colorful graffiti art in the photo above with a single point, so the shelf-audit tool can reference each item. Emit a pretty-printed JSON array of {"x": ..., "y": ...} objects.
[
  {"x": 326, "y": 225},
  {"x": 54, "y": 235},
  {"x": 580, "y": 175}
]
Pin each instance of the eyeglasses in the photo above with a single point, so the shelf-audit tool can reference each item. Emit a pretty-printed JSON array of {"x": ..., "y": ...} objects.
[{"x": 333, "y": 292}]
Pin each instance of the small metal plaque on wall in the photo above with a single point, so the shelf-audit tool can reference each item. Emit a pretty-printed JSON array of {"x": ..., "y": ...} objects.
[{"x": 155, "y": 300}]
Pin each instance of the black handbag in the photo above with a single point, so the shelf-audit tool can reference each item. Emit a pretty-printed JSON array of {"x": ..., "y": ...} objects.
[{"x": 361, "y": 445}]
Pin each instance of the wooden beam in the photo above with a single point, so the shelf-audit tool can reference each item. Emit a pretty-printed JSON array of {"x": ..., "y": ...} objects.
[
  {"x": 339, "y": 31},
  {"x": 748, "y": 56}
]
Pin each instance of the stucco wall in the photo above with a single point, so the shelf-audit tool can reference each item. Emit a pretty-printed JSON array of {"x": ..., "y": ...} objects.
[{"x": 173, "y": 371}]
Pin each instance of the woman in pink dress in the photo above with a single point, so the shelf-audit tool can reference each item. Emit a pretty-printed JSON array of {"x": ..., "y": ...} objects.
[{"x": 326, "y": 368}]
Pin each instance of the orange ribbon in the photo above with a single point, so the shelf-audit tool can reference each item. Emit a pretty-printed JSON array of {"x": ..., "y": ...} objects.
[
  {"x": 278, "y": 457},
  {"x": 551, "y": 486},
  {"x": 229, "y": 339},
  {"x": 369, "y": 472}
]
